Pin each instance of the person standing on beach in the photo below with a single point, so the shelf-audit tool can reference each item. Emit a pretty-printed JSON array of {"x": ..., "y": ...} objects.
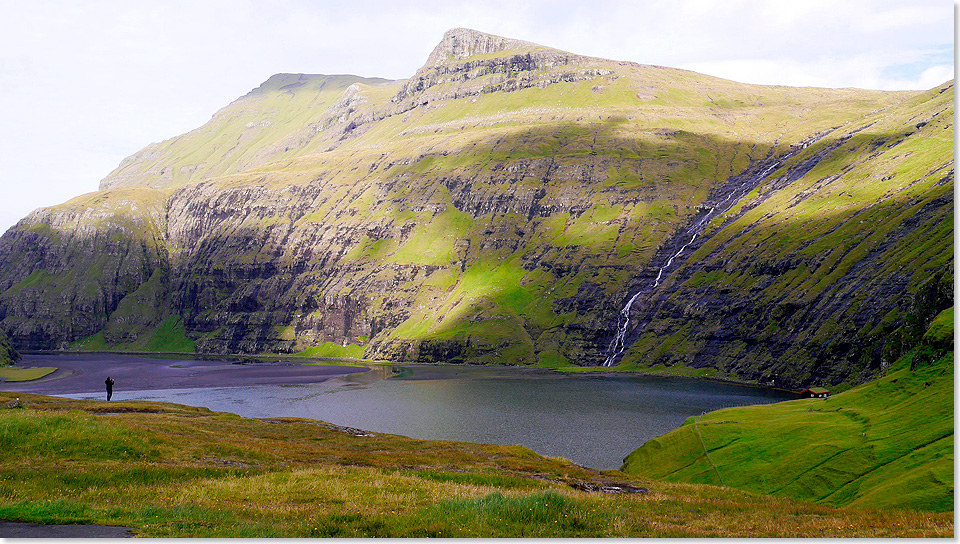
[{"x": 109, "y": 382}]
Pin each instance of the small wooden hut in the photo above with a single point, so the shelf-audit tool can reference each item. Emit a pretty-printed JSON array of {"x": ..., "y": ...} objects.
[{"x": 815, "y": 393}]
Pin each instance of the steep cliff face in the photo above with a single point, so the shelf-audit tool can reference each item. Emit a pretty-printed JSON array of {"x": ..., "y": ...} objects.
[
  {"x": 499, "y": 206},
  {"x": 829, "y": 271},
  {"x": 65, "y": 271}
]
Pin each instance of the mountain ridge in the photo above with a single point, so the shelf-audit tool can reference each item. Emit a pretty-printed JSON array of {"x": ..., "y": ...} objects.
[
  {"x": 499, "y": 208},
  {"x": 278, "y": 94},
  {"x": 462, "y": 43}
]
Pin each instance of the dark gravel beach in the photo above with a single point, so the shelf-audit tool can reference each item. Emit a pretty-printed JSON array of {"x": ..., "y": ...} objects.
[{"x": 86, "y": 373}]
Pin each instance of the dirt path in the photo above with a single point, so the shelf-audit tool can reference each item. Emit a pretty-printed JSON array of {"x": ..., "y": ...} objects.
[{"x": 17, "y": 529}]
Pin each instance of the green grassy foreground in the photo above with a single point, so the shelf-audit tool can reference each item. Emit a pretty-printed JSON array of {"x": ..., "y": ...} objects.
[
  {"x": 885, "y": 444},
  {"x": 176, "y": 471}
]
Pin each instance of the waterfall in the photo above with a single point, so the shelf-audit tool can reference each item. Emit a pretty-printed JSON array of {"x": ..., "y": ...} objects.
[{"x": 618, "y": 344}]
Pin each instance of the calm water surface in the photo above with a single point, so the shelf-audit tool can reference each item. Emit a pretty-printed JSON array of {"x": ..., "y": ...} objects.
[{"x": 592, "y": 420}]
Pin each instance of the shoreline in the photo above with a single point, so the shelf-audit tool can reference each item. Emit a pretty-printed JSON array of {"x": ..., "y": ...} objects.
[
  {"x": 437, "y": 402},
  {"x": 603, "y": 373},
  {"x": 81, "y": 373},
  {"x": 246, "y": 358},
  {"x": 730, "y": 381}
]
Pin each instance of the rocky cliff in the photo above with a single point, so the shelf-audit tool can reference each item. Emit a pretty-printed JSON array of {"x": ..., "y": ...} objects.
[
  {"x": 8, "y": 353},
  {"x": 828, "y": 271},
  {"x": 499, "y": 206},
  {"x": 82, "y": 268}
]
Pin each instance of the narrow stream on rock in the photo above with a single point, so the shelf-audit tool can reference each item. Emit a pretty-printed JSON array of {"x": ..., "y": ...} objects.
[{"x": 740, "y": 186}]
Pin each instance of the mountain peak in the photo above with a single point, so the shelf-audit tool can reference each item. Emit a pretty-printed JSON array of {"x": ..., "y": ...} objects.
[{"x": 461, "y": 43}]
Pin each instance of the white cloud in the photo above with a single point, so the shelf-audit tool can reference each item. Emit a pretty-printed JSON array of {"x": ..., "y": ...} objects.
[
  {"x": 928, "y": 79},
  {"x": 898, "y": 18},
  {"x": 864, "y": 71},
  {"x": 84, "y": 84}
]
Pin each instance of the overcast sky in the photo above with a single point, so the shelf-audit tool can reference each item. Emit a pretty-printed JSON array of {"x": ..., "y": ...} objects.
[{"x": 84, "y": 84}]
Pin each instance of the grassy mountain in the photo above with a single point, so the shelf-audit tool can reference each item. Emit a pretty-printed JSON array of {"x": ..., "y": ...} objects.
[
  {"x": 499, "y": 206},
  {"x": 885, "y": 444},
  {"x": 176, "y": 471}
]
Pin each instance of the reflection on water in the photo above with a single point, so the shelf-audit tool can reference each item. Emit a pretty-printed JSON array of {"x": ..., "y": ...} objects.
[{"x": 592, "y": 420}]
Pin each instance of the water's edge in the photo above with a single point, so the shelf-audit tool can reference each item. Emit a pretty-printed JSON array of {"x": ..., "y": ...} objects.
[{"x": 594, "y": 419}]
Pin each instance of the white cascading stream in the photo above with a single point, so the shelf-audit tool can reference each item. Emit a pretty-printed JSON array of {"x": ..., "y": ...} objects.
[{"x": 618, "y": 344}]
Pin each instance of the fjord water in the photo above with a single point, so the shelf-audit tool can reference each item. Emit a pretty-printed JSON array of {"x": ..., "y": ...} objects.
[{"x": 592, "y": 420}]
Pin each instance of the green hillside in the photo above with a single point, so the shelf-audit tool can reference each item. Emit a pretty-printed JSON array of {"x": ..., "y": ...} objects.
[
  {"x": 885, "y": 444},
  {"x": 176, "y": 471},
  {"x": 500, "y": 206},
  {"x": 794, "y": 286}
]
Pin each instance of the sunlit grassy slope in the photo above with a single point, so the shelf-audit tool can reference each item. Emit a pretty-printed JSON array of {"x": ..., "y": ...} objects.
[
  {"x": 262, "y": 126},
  {"x": 885, "y": 444},
  {"x": 175, "y": 471},
  {"x": 168, "y": 335}
]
